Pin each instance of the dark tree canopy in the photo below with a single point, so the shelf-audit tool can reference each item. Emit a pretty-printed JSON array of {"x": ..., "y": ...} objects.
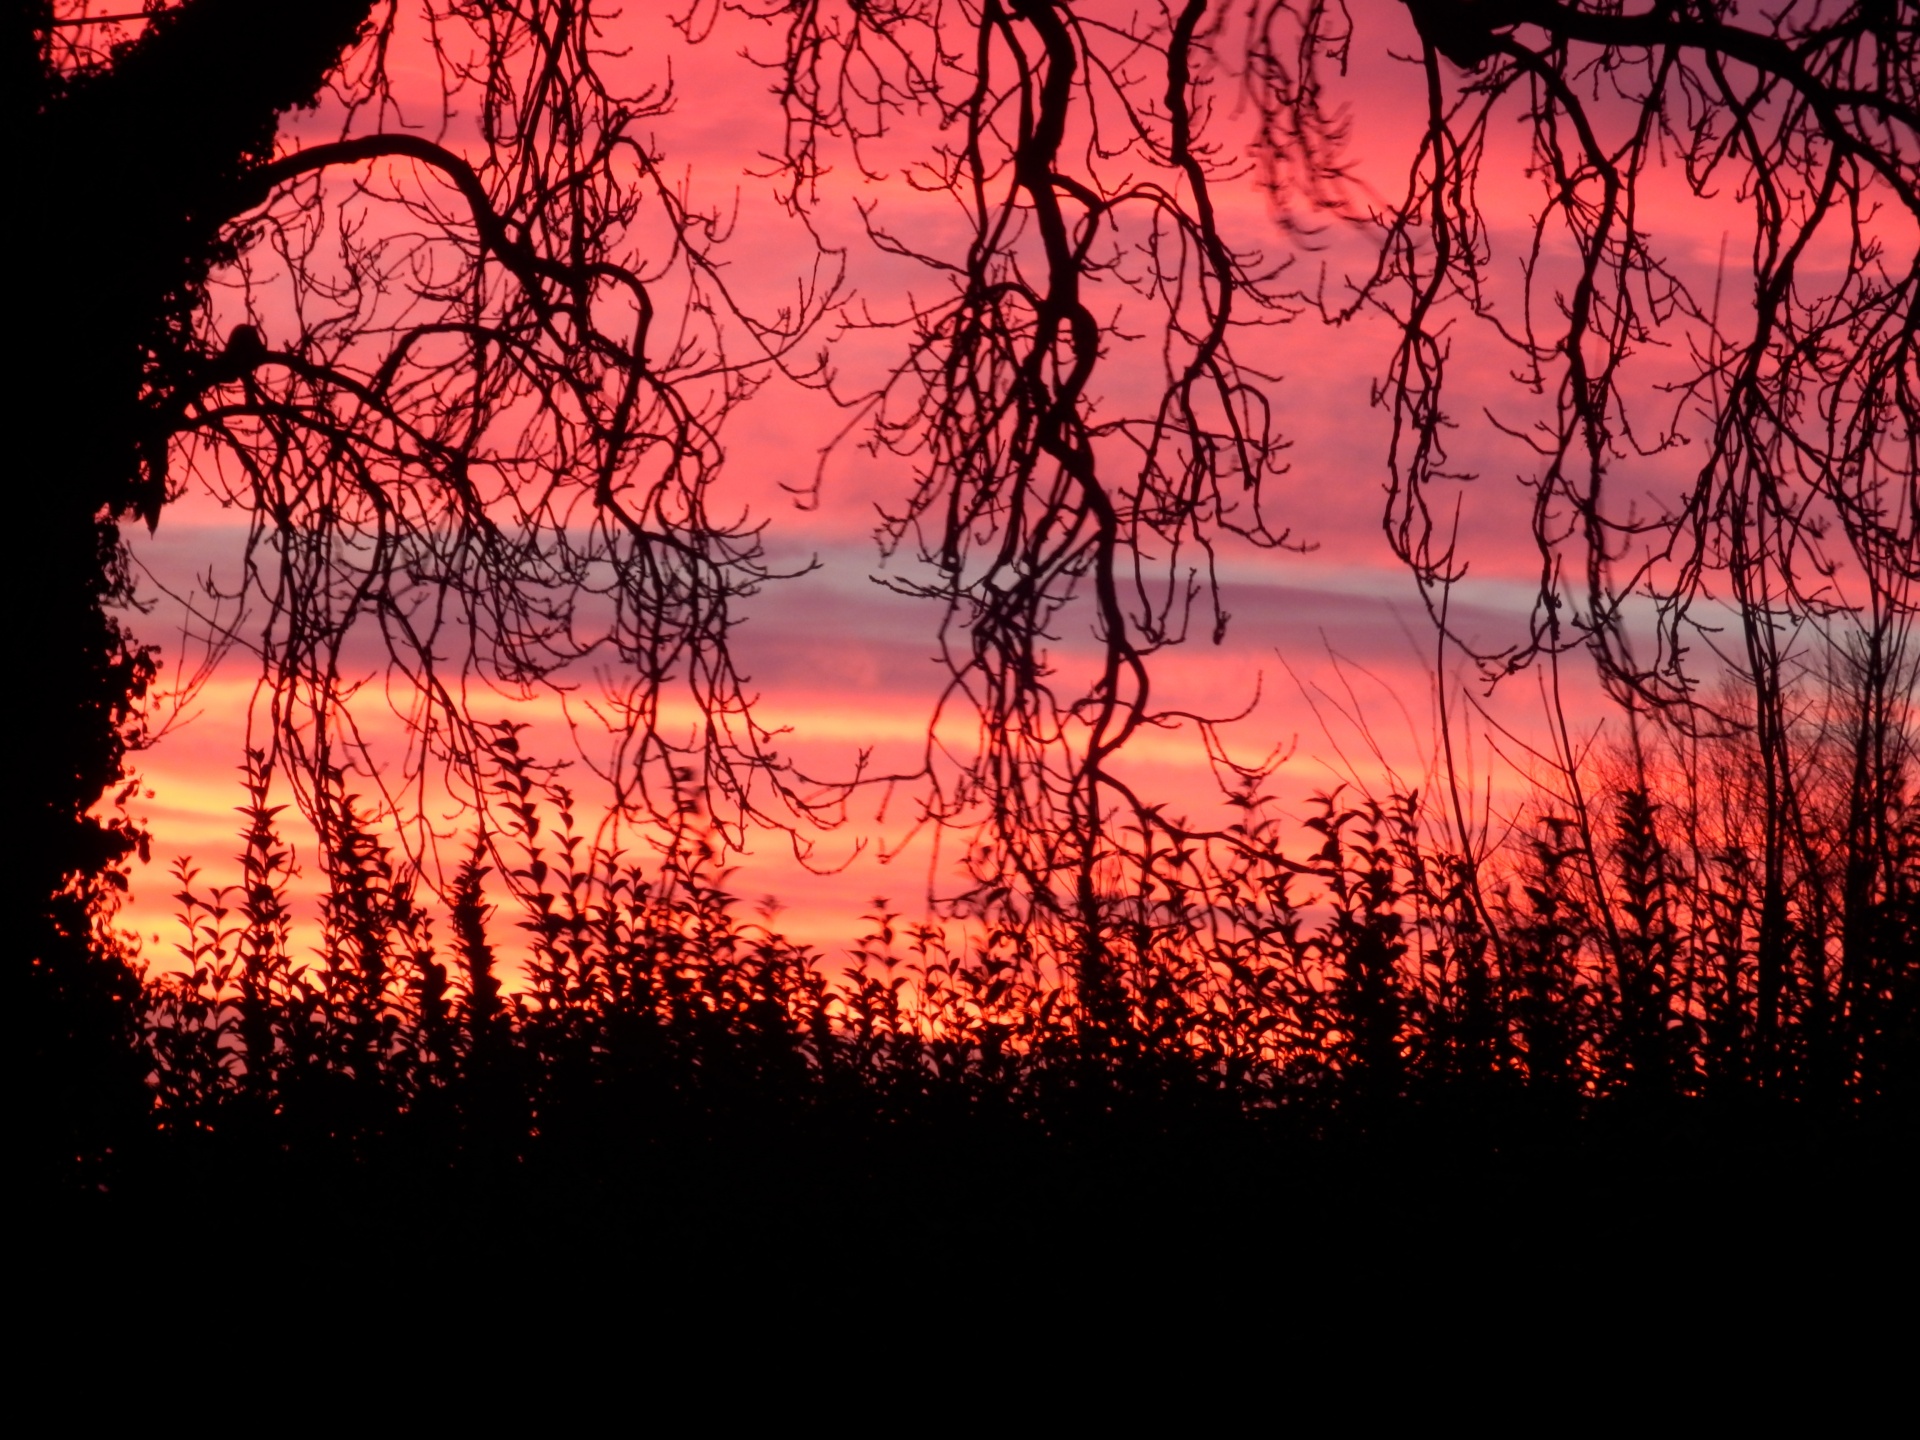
[{"x": 131, "y": 175}]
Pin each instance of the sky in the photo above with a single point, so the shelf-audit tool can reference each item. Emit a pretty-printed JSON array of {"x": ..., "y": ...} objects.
[{"x": 1329, "y": 655}]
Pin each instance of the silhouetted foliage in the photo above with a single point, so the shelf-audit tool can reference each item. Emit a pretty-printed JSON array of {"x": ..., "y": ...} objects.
[
  {"x": 465, "y": 425},
  {"x": 1248, "y": 998}
]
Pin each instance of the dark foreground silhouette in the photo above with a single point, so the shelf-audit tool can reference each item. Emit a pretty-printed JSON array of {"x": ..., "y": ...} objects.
[
  {"x": 1363, "y": 1078},
  {"x": 1682, "y": 1015}
]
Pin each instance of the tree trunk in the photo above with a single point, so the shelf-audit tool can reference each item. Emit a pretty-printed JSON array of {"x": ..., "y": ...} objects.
[{"x": 130, "y": 175}]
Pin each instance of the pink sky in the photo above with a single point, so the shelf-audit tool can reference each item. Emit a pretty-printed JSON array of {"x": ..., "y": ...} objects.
[{"x": 848, "y": 666}]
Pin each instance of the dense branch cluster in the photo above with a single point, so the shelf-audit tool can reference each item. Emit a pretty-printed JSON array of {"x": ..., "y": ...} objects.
[
  {"x": 1796, "y": 399},
  {"x": 481, "y": 430},
  {"x": 1081, "y": 430},
  {"x": 1720, "y": 462}
]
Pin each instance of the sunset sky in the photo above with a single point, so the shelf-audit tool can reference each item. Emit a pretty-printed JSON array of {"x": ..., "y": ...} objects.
[{"x": 1317, "y": 638}]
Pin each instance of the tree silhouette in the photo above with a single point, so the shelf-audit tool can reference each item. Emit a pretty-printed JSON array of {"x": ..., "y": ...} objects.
[
  {"x": 1086, "y": 149},
  {"x": 132, "y": 172},
  {"x": 1782, "y": 537},
  {"x": 468, "y": 407},
  {"x": 462, "y": 421}
]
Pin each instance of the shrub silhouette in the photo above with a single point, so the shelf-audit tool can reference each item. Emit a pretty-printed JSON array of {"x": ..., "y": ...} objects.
[{"x": 1613, "y": 969}]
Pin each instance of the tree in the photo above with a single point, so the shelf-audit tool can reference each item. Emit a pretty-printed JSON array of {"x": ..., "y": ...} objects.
[
  {"x": 132, "y": 171},
  {"x": 468, "y": 426},
  {"x": 472, "y": 428},
  {"x": 1787, "y": 548},
  {"x": 1087, "y": 146}
]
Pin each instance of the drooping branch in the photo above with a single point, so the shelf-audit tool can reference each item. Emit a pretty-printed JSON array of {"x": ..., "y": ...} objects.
[
  {"x": 471, "y": 432},
  {"x": 1064, "y": 535}
]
